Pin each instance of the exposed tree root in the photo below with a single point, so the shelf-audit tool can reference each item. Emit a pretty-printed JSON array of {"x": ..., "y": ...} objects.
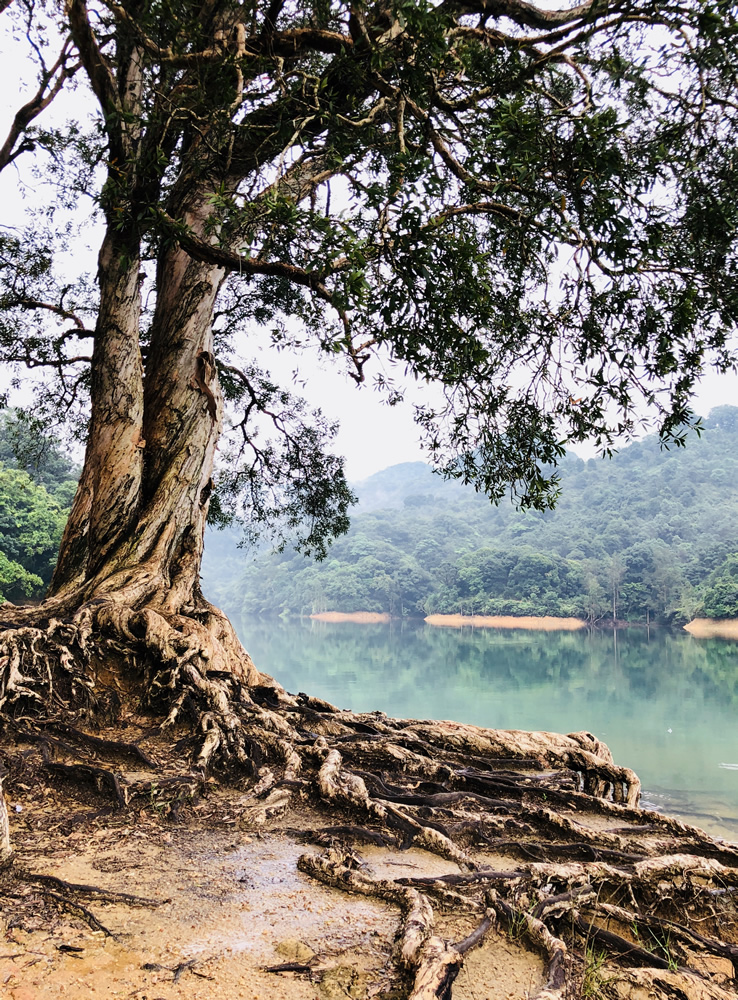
[
  {"x": 6, "y": 850},
  {"x": 75, "y": 907},
  {"x": 92, "y": 890},
  {"x": 540, "y": 834},
  {"x": 432, "y": 962},
  {"x": 555, "y": 979}
]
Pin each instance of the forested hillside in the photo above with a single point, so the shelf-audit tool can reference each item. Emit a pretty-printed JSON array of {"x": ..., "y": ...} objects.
[
  {"x": 37, "y": 484},
  {"x": 648, "y": 535}
]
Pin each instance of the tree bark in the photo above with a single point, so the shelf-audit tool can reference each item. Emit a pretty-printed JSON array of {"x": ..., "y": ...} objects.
[
  {"x": 182, "y": 414},
  {"x": 131, "y": 553},
  {"x": 5, "y": 848},
  {"x": 108, "y": 498}
]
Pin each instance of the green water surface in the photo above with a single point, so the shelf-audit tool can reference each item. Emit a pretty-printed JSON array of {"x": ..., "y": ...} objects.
[{"x": 664, "y": 702}]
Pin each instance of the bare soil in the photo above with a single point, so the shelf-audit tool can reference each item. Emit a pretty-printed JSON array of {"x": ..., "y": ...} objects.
[
  {"x": 547, "y": 623},
  {"x": 357, "y": 617},
  {"x": 227, "y": 905},
  {"x": 710, "y": 628}
]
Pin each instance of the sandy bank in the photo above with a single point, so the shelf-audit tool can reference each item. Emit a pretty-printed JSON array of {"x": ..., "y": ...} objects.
[
  {"x": 711, "y": 628},
  {"x": 358, "y": 617},
  {"x": 545, "y": 624}
]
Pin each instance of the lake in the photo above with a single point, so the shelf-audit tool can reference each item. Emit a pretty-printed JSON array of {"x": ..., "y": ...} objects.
[{"x": 664, "y": 702}]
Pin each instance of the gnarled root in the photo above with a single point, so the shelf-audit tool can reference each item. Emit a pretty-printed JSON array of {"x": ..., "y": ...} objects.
[
  {"x": 432, "y": 962},
  {"x": 555, "y": 979}
]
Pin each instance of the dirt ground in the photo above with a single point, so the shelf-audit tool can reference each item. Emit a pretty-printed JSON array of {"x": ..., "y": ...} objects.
[
  {"x": 533, "y": 623},
  {"x": 711, "y": 628},
  {"x": 225, "y": 906},
  {"x": 158, "y": 884}
]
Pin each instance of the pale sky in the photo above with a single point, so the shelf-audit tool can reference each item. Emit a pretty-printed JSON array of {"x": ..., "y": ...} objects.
[{"x": 372, "y": 435}]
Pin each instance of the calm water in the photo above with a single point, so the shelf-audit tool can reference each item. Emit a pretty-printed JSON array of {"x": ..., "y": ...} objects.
[{"x": 665, "y": 703}]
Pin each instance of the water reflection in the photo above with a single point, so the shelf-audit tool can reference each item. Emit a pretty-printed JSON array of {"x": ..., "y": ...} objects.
[{"x": 664, "y": 702}]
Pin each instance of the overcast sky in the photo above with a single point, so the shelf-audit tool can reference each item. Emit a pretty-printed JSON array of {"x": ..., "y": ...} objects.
[{"x": 372, "y": 435}]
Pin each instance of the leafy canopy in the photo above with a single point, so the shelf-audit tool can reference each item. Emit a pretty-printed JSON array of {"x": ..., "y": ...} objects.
[
  {"x": 533, "y": 209},
  {"x": 37, "y": 483}
]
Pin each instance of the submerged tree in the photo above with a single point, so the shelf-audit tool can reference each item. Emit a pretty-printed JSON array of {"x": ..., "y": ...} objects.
[{"x": 531, "y": 208}]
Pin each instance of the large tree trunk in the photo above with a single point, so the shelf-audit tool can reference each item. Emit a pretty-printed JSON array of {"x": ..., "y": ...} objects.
[
  {"x": 137, "y": 525},
  {"x": 183, "y": 414},
  {"x": 129, "y": 563},
  {"x": 108, "y": 498},
  {"x": 138, "y": 519}
]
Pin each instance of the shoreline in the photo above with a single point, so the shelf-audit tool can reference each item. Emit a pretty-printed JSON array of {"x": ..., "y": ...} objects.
[
  {"x": 713, "y": 628},
  {"x": 699, "y": 628},
  {"x": 355, "y": 617},
  {"x": 545, "y": 623}
]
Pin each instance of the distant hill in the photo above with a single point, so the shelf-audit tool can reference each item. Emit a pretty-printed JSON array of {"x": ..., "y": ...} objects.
[
  {"x": 390, "y": 488},
  {"x": 649, "y": 534}
]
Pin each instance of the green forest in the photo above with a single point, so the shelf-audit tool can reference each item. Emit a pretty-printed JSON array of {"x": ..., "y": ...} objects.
[
  {"x": 37, "y": 484},
  {"x": 649, "y": 535}
]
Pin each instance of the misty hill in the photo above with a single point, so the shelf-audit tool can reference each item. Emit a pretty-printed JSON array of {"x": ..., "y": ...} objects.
[
  {"x": 392, "y": 488},
  {"x": 648, "y": 534}
]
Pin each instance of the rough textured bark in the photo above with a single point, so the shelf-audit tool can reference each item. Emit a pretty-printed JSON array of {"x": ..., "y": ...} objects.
[
  {"x": 128, "y": 570},
  {"x": 183, "y": 412},
  {"x": 107, "y": 503},
  {"x": 5, "y": 848}
]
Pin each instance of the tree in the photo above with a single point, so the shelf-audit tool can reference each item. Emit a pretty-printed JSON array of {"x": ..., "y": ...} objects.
[
  {"x": 26, "y": 444},
  {"x": 532, "y": 208},
  {"x": 387, "y": 168},
  {"x": 34, "y": 506},
  {"x": 615, "y": 574},
  {"x": 721, "y": 593},
  {"x": 31, "y": 525}
]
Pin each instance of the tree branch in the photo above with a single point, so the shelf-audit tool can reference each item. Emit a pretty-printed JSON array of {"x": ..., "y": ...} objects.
[
  {"x": 31, "y": 304},
  {"x": 97, "y": 67},
  {"x": 525, "y": 13},
  {"x": 254, "y": 46},
  {"x": 231, "y": 261},
  {"x": 43, "y": 97}
]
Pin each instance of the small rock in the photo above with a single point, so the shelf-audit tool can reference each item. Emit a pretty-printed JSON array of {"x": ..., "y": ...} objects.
[
  {"x": 292, "y": 950},
  {"x": 342, "y": 981}
]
